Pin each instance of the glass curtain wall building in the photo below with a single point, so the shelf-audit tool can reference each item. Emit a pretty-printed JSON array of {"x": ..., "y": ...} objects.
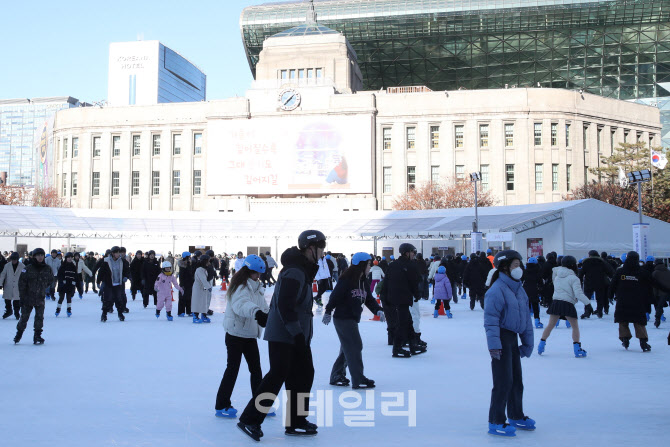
[{"x": 618, "y": 49}]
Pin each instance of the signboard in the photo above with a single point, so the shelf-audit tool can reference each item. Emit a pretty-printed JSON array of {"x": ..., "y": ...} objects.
[
  {"x": 500, "y": 237},
  {"x": 443, "y": 248},
  {"x": 387, "y": 248},
  {"x": 476, "y": 242},
  {"x": 43, "y": 145},
  {"x": 535, "y": 247},
  {"x": 290, "y": 155},
  {"x": 641, "y": 240}
]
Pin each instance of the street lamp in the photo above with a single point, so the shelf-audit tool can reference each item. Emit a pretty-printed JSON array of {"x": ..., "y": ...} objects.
[
  {"x": 638, "y": 177},
  {"x": 474, "y": 178}
]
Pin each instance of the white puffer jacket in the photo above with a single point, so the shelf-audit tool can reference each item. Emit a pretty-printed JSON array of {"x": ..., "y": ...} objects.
[
  {"x": 567, "y": 286},
  {"x": 240, "y": 318}
]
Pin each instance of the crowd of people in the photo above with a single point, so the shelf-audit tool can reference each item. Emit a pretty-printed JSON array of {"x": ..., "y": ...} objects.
[{"x": 510, "y": 290}]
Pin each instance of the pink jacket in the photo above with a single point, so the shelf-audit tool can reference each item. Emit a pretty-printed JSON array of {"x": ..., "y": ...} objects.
[{"x": 164, "y": 283}]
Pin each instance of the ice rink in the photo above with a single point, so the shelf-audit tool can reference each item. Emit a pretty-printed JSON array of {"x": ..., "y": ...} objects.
[{"x": 148, "y": 382}]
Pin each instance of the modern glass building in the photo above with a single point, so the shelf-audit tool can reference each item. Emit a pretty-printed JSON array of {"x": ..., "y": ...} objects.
[
  {"x": 617, "y": 48},
  {"x": 21, "y": 122}
]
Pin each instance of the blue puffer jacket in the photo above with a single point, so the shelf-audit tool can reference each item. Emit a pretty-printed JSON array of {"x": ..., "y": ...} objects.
[{"x": 506, "y": 307}]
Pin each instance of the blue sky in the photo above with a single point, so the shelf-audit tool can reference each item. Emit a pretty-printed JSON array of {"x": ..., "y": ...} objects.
[{"x": 61, "y": 48}]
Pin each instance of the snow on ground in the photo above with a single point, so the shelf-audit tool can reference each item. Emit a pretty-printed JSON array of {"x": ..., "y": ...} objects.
[{"x": 148, "y": 382}]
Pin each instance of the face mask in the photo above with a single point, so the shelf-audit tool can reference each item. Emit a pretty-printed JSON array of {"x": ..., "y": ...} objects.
[{"x": 517, "y": 273}]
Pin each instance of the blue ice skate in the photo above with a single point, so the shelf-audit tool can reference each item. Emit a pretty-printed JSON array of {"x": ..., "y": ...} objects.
[
  {"x": 158, "y": 314},
  {"x": 449, "y": 314},
  {"x": 436, "y": 313},
  {"x": 541, "y": 346},
  {"x": 662, "y": 317},
  {"x": 170, "y": 318},
  {"x": 182, "y": 315},
  {"x": 648, "y": 316},
  {"x": 523, "y": 424},
  {"x": 567, "y": 324},
  {"x": 538, "y": 324},
  {"x": 196, "y": 320},
  {"x": 557, "y": 323},
  {"x": 432, "y": 301},
  {"x": 579, "y": 352},
  {"x": 229, "y": 412},
  {"x": 205, "y": 319},
  {"x": 501, "y": 430},
  {"x": 57, "y": 312},
  {"x": 69, "y": 313}
]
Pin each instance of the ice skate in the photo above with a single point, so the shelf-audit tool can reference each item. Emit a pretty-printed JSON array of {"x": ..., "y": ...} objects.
[
  {"x": 435, "y": 313},
  {"x": 365, "y": 383},
  {"x": 541, "y": 346},
  {"x": 579, "y": 352},
  {"x": 523, "y": 424},
  {"x": 625, "y": 342},
  {"x": 17, "y": 337},
  {"x": 449, "y": 314},
  {"x": 340, "y": 381},
  {"x": 304, "y": 428},
  {"x": 38, "y": 340},
  {"x": 538, "y": 324},
  {"x": 644, "y": 345},
  {"x": 251, "y": 430},
  {"x": 502, "y": 429},
  {"x": 229, "y": 412}
]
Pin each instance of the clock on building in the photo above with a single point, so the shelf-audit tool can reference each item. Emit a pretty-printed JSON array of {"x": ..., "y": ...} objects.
[{"x": 289, "y": 99}]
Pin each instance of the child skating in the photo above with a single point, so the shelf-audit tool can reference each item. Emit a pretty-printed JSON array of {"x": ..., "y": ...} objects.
[
  {"x": 443, "y": 292},
  {"x": 163, "y": 287}
]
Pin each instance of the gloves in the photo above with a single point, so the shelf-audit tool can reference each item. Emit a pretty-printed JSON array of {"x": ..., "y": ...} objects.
[
  {"x": 495, "y": 353},
  {"x": 381, "y": 316},
  {"x": 209, "y": 290},
  {"x": 261, "y": 317},
  {"x": 525, "y": 351},
  {"x": 326, "y": 319},
  {"x": 300, "y": 340},
  {"x": 588, "y": 310}
]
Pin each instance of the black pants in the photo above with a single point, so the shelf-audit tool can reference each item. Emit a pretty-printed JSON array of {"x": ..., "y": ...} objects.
[
  {"x": 271, "y": 278},
  {"x": 474, "y": 297},
  {"x": 65, "y": 295},
  {"x": 534, "y": 303},
  {"x": 404, "y": 331},
  {"x": 391, "y": 314},
  {"x": 113, "y": 296},
  {"x": 507, "y": 392},
  {"x": 292, "y": 366},
  {"x": 446, "y": 304},
  {"x": 80, "y": 287},
  {"x": 146, "y": 293},
  {"x": 601, "y": 298},
  {"x": 17, "y": 307},
  {"x": 135, "y": 286},
  {"x": 236, "y": 348},
  {"x": 184, "y": 305},
  {"x": 90, "y": 281},
  {"x": 26, "y": 309},
  {"x": 323, "y": 285}
]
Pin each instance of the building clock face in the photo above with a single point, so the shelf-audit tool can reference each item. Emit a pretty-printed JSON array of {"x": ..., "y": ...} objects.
[{"x": 289, "y": 99}]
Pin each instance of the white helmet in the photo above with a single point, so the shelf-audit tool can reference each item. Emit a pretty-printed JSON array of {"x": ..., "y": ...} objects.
[{"x": 166, "y": 264}]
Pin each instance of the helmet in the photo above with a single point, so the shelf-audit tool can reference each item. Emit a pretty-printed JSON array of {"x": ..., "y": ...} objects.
[
  {"x": 166, "y": 265},
  {"x": 254, "y": 263},
  {"x": 267, "y": 253},
  {"x": 569, "y": 262},
  {"x": 14, "y": 256},
  {"x": 432, "y": 258},
  {"x": 197, "y": 253},
  {"x": 383, "y": 258},
  {"x": 359, "y": 257},
  {"x": 464, "y": 258},
  {"x": 449, "y": 257},
  {"x": 204, "y": 258},
  {"x": 441, "y": 269},
  {"x": 489, "y": 251},
  {"x": 650, "y": 259},
  {"x": 311, "y": 237},
  {"x": 69, "y": 255},
  {"x": 38, "y": 251},
  {"x": 532, "y": 260},
  {"x": 186, "y": 254},
  {"x": 633, "y": 256},
  {"x": 375, "y": 262},
  {"x": 404, "y": 248},
  {"x": 90, "y": 253},
  {"x": 623, "y": 257},
  {"x": 392, "y": 257},
  {"x": 115, "y": 249},
  {"x": 593, "y": 253},
  {"x": 210, "y": 253},
  {"x": 506, "y": 256},
  {"x": 328, "y": 257}
]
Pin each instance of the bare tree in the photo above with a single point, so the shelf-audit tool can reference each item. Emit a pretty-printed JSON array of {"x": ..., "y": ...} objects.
[{"x": 428, "y": 196}]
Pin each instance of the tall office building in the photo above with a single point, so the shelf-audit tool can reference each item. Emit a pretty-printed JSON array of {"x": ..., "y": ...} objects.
[
  {"x": 148, "y": 72},
  {"x": 26, "y": 127}
]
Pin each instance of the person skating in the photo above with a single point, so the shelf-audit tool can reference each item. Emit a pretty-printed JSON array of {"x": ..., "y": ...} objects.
[
  {"x": 246, "y": 315},
  {"x": 54, "y": 262},
  {"x": 9, "y": 281},
  {"x": 662, "y": 276},
  {"x": 595, "y": 275},
  {"x": 474, "y": 278},
  {"x": 532, "y": 284},
  {"x": 443, "y": 292},
  {"x": 377, "y": 275},
  {"x": 150, "y": 271},
  {"x": 136, "y": 274},
  {"x": 186, "y": 278},
  {"x": 89, "y": 278},
  {"x": 33, "y": 285},
  {"x": 289, "y": 333},
  {"x": 348, "y": 298},
  {"x": 567, "y": 291},
  {"x": 201, "y": 295},
  {"x": 112, "y": 275},
  {"x": 506, "y": 319},
  {"x": 547, "y": 271},
  {"x": 322, "y": 279},
  {"x": 163, "y": 287},
  {"x": 67, "y": 283}
]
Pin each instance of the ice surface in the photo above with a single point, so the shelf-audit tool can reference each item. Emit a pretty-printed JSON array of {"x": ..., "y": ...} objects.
[{"x": 148, "y": 382}]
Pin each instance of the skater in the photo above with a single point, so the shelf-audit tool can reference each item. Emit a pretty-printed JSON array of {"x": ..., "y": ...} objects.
[
  {"x": 377, "y": 275},
  {"x": 567, "y": 291},
  {"x": 246, "y": 315},
  {"x": 632, "y": 286},
  {"x": 33, "y": 285},
  {"x": 54, "y": 262},
  {"x": 67, "y": 283},
  {"x": 81, "y": 271},
  {"x": 186, "y": 273},
  {"x": 150, "y": 271},
  {"x": 662, "y": 276},
  {"x": 474, "y": 278},
  {"x": 9, "y": 281},
  {"x": 348, "y": 298},
  {"x": 443, "y": 293},
  {"x": 322, "y": 280},
  {"x": 201, "y": 295},
  {"x": 596, "y": 276},
  {"x": 289, "y": 333},
  {"x": 548, "y": 286},
  {"x": 506, "y": 319},
  {"x": 112, "y": 275},
  {"x": 89, "y": 278},
  {"x": 532, "y": 283},
  {"x": 136, "y": 274},
  {"x": 163, "y": 287}
]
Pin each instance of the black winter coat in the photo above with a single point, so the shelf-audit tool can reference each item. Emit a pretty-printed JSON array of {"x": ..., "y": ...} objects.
[
  {"x": 150, "y": 271},
  {"x": 532, "y": 281},
  {"x": 661, "y": 276},
  {"x": 384, "y": 266},
  {"x": 67, "y": 278},
  {"x": 547, "y": 270},
  {"x": 401, "y": 284},
  {"x": 595, "y": 273},
  {"x": 136, "y": 271},
  {"x": 474, "y": 276},
  {"x": 186, "y": 275},
  {"x": 633, "y": 287}
]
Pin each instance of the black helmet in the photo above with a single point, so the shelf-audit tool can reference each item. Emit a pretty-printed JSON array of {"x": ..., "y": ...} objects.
[
  {"x": 311, "y": 237},
  {"x": 115, "y": 249},
  {"x": 197, "y": 253},
  {"x": 90, "y": 253},
  {"x": 506, "y": 256},
  {"x": 210, "y": 253},
  {"x": 69, "y": 255},
  {"x": 404, "y": 248},
  {"x": 15, "y": 257},
  {"x": 267, "y": 253},
  {"x": 592, "y": 253},
  {"x": 38, "y": 251},
  {"x": 204, "y": 258},
  {"x": 571, "y": 262}
]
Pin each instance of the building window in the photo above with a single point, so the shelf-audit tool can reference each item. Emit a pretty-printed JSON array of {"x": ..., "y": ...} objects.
[
  {"x": 625, "y": 135},
  {"x": 509, "y": 177},
  {"x": 386, "y": 136},
  {"x": 434, "y": 137},
  {"x": 411, "y": 177},
  {"x": 116, "y": 146},
  {"x": 554, "y": 177},
  {"x": 411, "y": 138},
  {"x": 586, "y": 174},
  {"x": 155, "y": 183},
  {"x": 176, "y": 182},
  {"x": 156, "y": 145},
  {"x": 459, "y": 171},
  {"x": 310, "y": 73},
  {"x": 319, "y": 73},
  {"x": 176, "y": 144},
  {"x": 197, "y": 182},
  {"x": 387, "y": 180},
  {"x": 115, "y": 183},
  {"x": 483, "y": 135},
  {"x": 509, "y": 135},
  {"x": 283, "y": 74},
  {"x": 95, "y": 184},
  {"x": 537, "y": 134},
  {"x": 538, "y": 177},
  {"x": 599, "y": 136},
  {"x": 567, "y": 135},
  {"x": 75, "y": 147},
  {"x": 96, "y": 146},
  {"x": 73, "y": 186},
  {"x": 554, "y": 134},
  {"x": 291, "y": 74},
  {"x": 197, "y": 143},
  {"x": 65, "y": 148},
  {"x": 458, "y": 136},
  {"x": 136, "y": 183},
  {"x": 484, "y": 171},
  {"x": 64, "y": 184},
  {"x": 586, "y": 138},
  {"x": 136, "y": 145},
  {"x": 568, "y": 168},
  {"x": 435, "y": 174},
  {"x": 612, "y": 134}
]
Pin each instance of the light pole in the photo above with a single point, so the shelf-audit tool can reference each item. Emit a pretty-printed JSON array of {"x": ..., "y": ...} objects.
[
  {"x": 640, "y": 230},
  {"x": 474, "y": 178},
  {"x": 476, "y": 236},
  {"x": 639, "y": 177}
]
